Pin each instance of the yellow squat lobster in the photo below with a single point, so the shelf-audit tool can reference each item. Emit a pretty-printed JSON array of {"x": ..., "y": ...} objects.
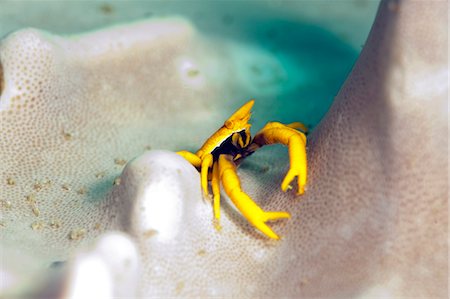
[{"x": 222, "y": 152}]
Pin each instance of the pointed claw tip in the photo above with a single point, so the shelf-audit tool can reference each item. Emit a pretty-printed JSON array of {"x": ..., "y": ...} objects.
[
  {"x": 272, "y": 236},
  {"x": 208, "y": 197},
  {"x": 217, "y": 225}
]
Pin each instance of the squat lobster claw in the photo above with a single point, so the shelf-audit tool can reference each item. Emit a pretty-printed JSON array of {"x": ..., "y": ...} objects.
[{"x": 218, "y": 157}]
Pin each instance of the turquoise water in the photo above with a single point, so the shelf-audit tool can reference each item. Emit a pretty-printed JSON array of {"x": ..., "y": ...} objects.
[
  {"x": 319, "y": 61},
  {"x": 312, "y": 44},
  {"x": 310, "y": 64}
]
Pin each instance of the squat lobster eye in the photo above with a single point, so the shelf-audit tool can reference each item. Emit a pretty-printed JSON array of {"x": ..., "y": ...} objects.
[
  {"x": 229, "y": 124},
  {"x": 218, "y": 157}
]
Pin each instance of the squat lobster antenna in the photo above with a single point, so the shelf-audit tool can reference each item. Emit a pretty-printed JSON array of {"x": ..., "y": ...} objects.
[
  {"x": 241, "y": 115},
  {"x": 243, "y": 111}
]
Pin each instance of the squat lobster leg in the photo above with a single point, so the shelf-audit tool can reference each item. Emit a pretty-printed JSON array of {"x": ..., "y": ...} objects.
[
  {"x": 204, "y": 165},
  {"x": 215, "y": 185},
  {"x": 192, "y": 158},
  {"x": 275, "y": 132},
  {"x": 251, "y": 211},
  {"x": 207, "y": 162}
]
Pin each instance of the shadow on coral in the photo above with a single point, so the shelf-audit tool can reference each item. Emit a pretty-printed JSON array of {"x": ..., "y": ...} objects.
[{"x": 2, "y": 80}]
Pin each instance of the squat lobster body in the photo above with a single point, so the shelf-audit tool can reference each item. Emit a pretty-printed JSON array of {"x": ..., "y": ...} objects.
[{"x": 232, "y": 143}]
